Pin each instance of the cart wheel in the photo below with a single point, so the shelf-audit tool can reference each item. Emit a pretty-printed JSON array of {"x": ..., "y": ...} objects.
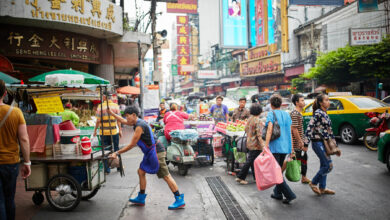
[
  {"x": 86, "y": 195},
  {"x": 183, "y": 169},
  {"x": 38, "y": 198},
  {"x": 63, "y": 192}
]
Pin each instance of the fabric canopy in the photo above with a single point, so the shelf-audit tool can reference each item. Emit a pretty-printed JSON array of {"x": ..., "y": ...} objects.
[
  {"x": 129, "y": 90},
  {"x": 88, "y": 78},
  {"x": 8, "y": 79}
]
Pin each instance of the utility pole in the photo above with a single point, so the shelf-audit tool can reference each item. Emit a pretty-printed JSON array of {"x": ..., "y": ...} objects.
[
  {"x": 154, "y": 39},
  {"x": 312, "y": 53}
]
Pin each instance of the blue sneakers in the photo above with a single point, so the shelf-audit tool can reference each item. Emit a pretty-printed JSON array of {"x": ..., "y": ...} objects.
[
  {"x": 139, "y": 200},
  {"x": 179, "y": 203}
]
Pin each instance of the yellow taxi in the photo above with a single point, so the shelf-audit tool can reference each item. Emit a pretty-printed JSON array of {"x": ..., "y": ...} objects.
[{"x": 347, "y": 115}]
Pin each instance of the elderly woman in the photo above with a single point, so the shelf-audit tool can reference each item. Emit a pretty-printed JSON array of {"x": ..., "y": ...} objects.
[
  {"x": 280, "y": 147},
  {"x": 174, "y": 120},
  {"x": 254, "y": 141}
]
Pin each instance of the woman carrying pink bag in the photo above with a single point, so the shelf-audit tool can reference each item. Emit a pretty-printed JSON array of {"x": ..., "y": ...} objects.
[
  {"x": 280, "y": 146},
  {"x": 267, "y": 170}
]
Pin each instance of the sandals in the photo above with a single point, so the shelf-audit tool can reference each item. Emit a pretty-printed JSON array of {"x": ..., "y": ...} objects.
[
  {"x": 315, "y": 189},
  {"x": 327, "y": 191}
]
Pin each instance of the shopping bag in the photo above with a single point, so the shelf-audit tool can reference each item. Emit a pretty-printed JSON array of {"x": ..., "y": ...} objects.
[
  {"x": 267, "y": 170},
  {"x": 94, "y": 141},
  {"x": 293, "y": 170},
  {"x": 240, "y": 157}
]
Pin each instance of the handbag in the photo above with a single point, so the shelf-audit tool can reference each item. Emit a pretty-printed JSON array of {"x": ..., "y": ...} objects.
[
  {"x": 331, "y": 147},
  {"x": 293, "y": 170},
  {"x": 241, "y": 144},
  {"x": 267, "y": 170},
  {"x": 275, "y": 129},
  {"x": 239, "y": 157}
]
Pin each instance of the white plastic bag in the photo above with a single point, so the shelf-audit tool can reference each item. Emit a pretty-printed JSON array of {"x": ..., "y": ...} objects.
[{"x": 94, "y": 141}]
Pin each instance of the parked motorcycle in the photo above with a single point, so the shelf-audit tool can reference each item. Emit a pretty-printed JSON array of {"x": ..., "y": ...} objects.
[
  {"x": 380, "y": 123},
  {"x": 179, "y": 151}
]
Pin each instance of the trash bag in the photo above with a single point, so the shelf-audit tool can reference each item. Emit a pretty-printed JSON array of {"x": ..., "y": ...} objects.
[
  {"x": 267, "y": 170},
  {"x": 293, "y": 170}
]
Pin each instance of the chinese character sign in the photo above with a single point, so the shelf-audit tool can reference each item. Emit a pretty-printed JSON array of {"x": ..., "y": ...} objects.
[
  {"x": 183, "y": 43},
  {"x": 182, "y": 20},
  {"x": 183, "y": 6},
  {"x": 182, "y": 30}
]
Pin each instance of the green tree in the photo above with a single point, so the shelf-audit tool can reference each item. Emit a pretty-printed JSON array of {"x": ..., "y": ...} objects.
[
  {"x": 298, "y": 84},
  {"x": 352, "y": 63}
]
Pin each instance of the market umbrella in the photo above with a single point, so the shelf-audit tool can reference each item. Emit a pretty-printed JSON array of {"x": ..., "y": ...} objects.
[
  {"x": 88, "y": 78},
  {"x": 128, "y": 90},
  {"x": 8, "y": 79}
]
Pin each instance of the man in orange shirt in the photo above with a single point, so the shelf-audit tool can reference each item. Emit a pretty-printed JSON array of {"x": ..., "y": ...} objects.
[{"x": 12, "y": 129}]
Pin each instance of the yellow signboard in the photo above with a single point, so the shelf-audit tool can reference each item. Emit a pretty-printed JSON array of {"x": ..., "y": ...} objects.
[{"x": 46, "y": 105}]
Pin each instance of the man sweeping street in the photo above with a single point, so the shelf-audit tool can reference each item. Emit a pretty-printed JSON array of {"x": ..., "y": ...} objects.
[{"x": 154, "y": 156}]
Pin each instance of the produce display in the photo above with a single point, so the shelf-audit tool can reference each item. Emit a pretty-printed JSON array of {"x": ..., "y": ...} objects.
[
  {"x": 87, "y": 117},
  {"x": 230, "y": 126},
  {"x": 202, "y": 117}
]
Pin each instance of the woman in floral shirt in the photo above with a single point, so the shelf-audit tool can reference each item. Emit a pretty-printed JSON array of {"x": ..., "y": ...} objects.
[
  {"x": 320, "y": 128},
  {"x": 254, "y": 143}
]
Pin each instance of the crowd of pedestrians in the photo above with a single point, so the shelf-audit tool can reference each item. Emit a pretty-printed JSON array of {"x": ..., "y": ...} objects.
[{"x": 293, "y": 141}]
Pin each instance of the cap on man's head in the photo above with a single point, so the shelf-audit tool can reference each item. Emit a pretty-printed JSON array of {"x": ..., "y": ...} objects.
[{"x": 68, "y": 105}]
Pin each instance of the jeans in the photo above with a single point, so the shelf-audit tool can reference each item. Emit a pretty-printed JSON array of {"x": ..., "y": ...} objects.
[
  {"x": 252, "y": 155},
  {"x": 8, "y": 175},
  {"x": 106, "y": 140},
  {"x": 302, "y": 156},
  {"x": 325, "y": 164},
  {"x": 283, "y": 188}
]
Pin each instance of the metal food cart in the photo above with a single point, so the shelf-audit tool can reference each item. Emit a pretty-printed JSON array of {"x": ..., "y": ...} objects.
[{"x": 66, "y": 179}]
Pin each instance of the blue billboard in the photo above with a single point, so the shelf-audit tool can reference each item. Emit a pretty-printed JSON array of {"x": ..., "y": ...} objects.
[
  {"x": 367, "y": 5},
  {"x": 234, "y": 28}
]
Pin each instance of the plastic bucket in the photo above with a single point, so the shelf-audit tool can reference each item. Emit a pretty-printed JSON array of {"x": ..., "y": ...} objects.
[
  {"x": 67, "y": 125},
  {"x": 69, "y": 136},
  {"x": 86, "y": 146}
]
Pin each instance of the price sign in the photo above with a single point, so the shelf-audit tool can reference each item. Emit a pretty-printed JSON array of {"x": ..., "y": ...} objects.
[{"x": 46, "y": 105}]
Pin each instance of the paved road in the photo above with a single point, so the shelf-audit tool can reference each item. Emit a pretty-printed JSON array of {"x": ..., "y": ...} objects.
[{"x": 362, "y": 186}]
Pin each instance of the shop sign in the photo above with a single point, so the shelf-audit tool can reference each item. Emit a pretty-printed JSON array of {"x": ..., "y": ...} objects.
[
  {"x": 207, "y": 74},
  {"x": 46, "y": 105},
  {"x": 261, "y": 51},
  {"x": 48, "y": 44},
  {"x": 98, "y": 14},
  {"x": 183, "y": 6},
  {"x": 270, "y": 81},
  {"x": 174, "y": 69},
  {"x": 262, "y": 66},
  {"x": 365, "y": 36}
]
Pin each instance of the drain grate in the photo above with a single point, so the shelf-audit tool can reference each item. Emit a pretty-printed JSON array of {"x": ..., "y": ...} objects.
[{"x": 226, "y": 200}]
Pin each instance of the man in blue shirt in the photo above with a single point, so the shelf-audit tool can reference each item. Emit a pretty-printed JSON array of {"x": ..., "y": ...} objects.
[{"x": 219, "y": 111}]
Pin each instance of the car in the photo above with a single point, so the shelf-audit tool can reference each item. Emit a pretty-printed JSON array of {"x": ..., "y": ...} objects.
[
  {"x": 347, "y": 115},
  {"x": 384, "y": 148},
  {"x": 386, "y": 100}
]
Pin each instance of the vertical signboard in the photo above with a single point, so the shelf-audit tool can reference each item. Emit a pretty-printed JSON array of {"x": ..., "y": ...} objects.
[
  {"x": 367, "y": 5},
  {"x": 183, "y": 44},
  {"x": 252, "y": 22},
  {"x": 260, "y": 15},
  {"x": 234, "y": 26}
]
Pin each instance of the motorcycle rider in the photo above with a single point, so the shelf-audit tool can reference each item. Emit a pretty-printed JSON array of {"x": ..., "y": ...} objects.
[
  {"x": 174, "y": 120},
  {"x": 154, "y": 156}
]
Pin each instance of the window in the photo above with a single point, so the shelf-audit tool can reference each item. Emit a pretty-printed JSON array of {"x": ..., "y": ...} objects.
[
  {"x": 367, "y": 102},
  {"x": 335, "y": 105}
]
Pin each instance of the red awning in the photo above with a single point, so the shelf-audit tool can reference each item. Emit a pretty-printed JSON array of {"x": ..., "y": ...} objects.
[
  {"x": 129, "y": 90},
  {"x": 295, "y": 71}
]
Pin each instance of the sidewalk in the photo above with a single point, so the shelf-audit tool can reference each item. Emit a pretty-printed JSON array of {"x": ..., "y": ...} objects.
[{"x": 26, "y": 209}]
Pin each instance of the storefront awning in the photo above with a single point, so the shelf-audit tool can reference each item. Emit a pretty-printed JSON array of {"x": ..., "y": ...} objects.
[{"x": 295, "y": 71}]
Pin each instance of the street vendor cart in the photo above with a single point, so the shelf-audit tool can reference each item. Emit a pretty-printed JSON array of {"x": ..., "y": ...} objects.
[
  {"x": 66, "y": 178},
  {"x": 230, "y": 149},
  {"x": 203, "y": 147}
]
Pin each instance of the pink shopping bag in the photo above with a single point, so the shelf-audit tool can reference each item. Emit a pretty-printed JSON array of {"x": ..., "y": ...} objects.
[{"x": 267, "y": 170}]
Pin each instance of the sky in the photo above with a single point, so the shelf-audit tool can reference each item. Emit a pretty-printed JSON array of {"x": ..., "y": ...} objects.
[{"x": 164, "y": 22}]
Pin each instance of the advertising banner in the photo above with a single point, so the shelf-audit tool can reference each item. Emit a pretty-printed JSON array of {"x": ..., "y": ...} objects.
[
  {"x": 367, "y": 5},
  {"x": 274, "y": 22},
  {"x": 183, "y": 6},
  {"x": 365, "y": 36},
  {"x": 260, "y": 30},
  {"x": 234, "y": 33},
  {"x": 207, "y": 74}
]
